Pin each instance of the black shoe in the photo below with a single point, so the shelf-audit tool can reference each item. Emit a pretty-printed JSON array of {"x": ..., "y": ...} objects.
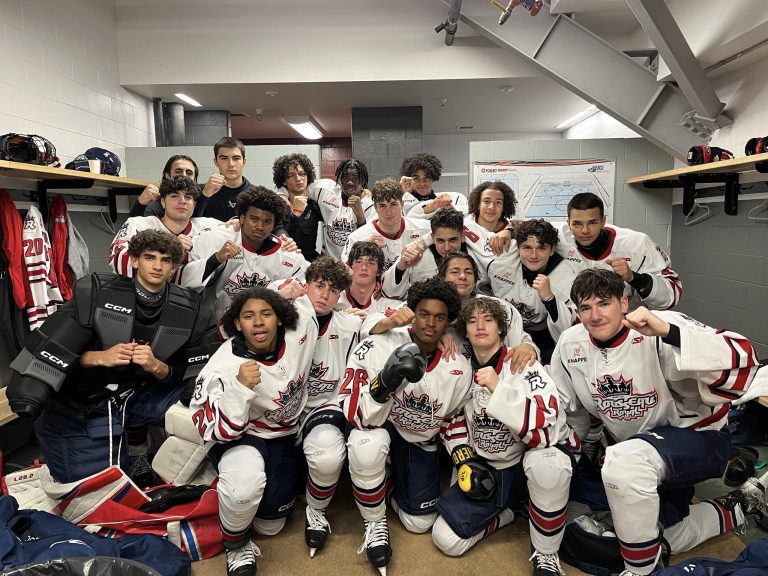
[
  {"x": 546, "y": 564},
  {"x": 376, "y": 544},
  {"x": 316, "y": 529},
  {"x": 140, "y": 471},
  {"x": 242, "y": 561}
]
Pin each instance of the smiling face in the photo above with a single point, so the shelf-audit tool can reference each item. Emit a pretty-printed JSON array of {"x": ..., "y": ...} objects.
[
  {"x": 602, "y": 317},
  {"x": 429, "y": 323},
  {"x": 230, "y": 162},
  {"x": 483, "y": 332},
  {"x": 350, "y": 183},
  {"x": 389, "y": 212},
  {"x": 491, "y": 208},
  {"x": 422, "y": 184},
  {"x": 447, "y": 240},
  {"x": 461, "y": 274},
  {"x": 152, "y": 269},
  {"x": 534, "y": 255},
  {"x": 256, "y": 225},
  {"x": 323, "y": 295},
  {"x": 258, "y": 323},
  {"x": 585, "y": 225}
]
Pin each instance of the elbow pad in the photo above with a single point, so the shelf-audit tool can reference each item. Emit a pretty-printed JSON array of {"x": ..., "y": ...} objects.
[{"x": 45, "y": 359}]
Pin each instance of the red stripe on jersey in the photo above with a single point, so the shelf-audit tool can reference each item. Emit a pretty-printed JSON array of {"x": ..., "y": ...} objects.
[{"x": 721, "y": 412}]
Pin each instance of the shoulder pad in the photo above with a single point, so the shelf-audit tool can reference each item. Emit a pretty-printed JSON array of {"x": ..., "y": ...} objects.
[{"x": 86, "y": 293}]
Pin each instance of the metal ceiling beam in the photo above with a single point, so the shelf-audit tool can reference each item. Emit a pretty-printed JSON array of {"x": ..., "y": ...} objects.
[
  {"x": 588, "y": 66},
  {"x": 659, "y": 24}
]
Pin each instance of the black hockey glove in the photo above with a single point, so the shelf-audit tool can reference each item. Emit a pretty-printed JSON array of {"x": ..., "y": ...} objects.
[
  {"x": 475, "y": 478},
  {"x": 406, "y": 363}
]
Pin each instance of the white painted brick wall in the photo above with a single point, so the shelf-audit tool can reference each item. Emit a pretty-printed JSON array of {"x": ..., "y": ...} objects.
[{"x": 60, "y": 78}]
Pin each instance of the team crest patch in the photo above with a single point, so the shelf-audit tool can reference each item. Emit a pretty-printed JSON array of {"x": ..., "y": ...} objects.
[
  {"x": 242, "y": 281},
  {"x": 614, "y": 398},
  {"x": 577, "y": 356},
  {"x": 289, "y": 403},
  {"x": 317, "y": 385},
  {"x": 535, "y": 380},
  {"x": 489, "y": 434},
  {"x": 361, "y": 351},
  {"x": 418, "y": 414},
  {"x": 529, "y": 314}
]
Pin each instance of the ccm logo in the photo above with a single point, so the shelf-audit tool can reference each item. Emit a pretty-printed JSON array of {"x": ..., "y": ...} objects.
[
  {"x": 429, "y": 504},
  {"x": 53, "y": 359},
  {"x": 198, "y": 358},
  {"x": 117, "y": 308}
]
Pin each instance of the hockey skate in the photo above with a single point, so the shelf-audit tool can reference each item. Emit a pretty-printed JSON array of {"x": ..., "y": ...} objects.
[
  {"x": 242, "y": 561},
  {"x": 316, "y": 529},
  {"x": 546, "y": 564},
  {"x": 751, "y": 496},
  {"x": 376, "y": 544}
]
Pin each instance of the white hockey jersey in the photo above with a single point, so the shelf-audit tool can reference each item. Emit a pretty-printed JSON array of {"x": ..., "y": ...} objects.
[
  {"x": 516, "y": 333},
  {"x": 410, "y": 229},
  {"x": 641, "y": 382},
  {"x": 505, "y": 274},
  {"x": 246, "y": 270},
  {"x": 418, "y": 410},
  {"x": 224, "y": 410},
  {"x": 425, "y": 268},
  {"x": 334, "y": 343},
  {"x": 413, "y": 207},
  {"x": 120, "y": 261},
  {"x": 477, "y": 240},
  {"x": 340, "y": 220},
  {"x": 522, "y": 413},
  {"x": 38, "y": 265},
  {"x": 642, "y": 254},
  {"x": 381, "y": 304}
]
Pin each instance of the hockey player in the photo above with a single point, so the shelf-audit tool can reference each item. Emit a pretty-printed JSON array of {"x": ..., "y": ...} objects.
[
  {"x": 397, "y": 392},
  {"x": 178, "y": 196},
  {"x": 366, "y": 261},
  {"x": 491, "y": 204},
  {"x": 587, "y": 242},
  {"x": 324, "y": 426},
  {"x": 660, "y": 384},
  {"x": 421, "y": 259},
  {"x": 247, "y": 405},
  {"x": 252, "y": 256},
  {"x": 417, "y": 175},
  {"x": 342, "y": 204},
  {"x": 461, "y": 270},
  {"x": 537, "y": 281},
  {"x": 507, "y": 435},
  {"x": 391, "y": 231},
  {"x": 148, "y": 202},
  {"x": 114, "y": 356}
]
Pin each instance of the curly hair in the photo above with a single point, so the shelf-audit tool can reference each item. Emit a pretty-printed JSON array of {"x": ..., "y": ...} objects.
[
  {"x": 228, "y": 142},
  {"x": 179, "y": 184},
  {"x": 172, "y": 159},
  {"x": 430, "y": 163},
  {"x": 263, "y": 199},
  {"x": 156, "y": 241},
  {"x": 281, "y": 165},
  {"x": 485, "y": 305},
  {"x": 447, "y": 218},
  {"x": 331, "y": 270},
  {"x": 509, "y": 197},
  {"x": 586, "y": 201},
  {"x": 596, "y": 283},
  {"x": 353, "y": 164},
  {"x": 448, "y": 258},
  {"x": 542, "y": 230},
  {"x": 362, "y": 249},
  {"x": 386, "y": 190},
  {"x": 435, "y": 288},
  {"x": 284, "y": 309}
]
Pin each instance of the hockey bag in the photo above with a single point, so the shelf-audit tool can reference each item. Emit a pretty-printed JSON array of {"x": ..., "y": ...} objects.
[{"x": 703, "y": 154}]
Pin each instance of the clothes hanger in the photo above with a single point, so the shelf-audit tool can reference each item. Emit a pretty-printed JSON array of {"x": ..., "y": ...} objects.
[
  {"x": 756, "y": 210},
  {"x": 699, "y": 213}
]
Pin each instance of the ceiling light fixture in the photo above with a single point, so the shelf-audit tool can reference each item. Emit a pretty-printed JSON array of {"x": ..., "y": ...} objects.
[
  {"x": 305, "y": 126},
  {"x": 187, "y": 99},
  {"x": 506, "y": 88},
  {"x": 575, "y": 119}
]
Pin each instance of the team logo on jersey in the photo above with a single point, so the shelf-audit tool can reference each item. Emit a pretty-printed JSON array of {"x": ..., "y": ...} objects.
[
  {"x": 637, "y": 339},
  {"x": 489, "y": 434},
  {"x": 289, "y": 404},
  {"x": 615, "y": 398},
  {"x": 123, "y": 231},
  {"x": 693, "y": 321},
  {"x": 29, "y": 223},
  {"x": 287, "y": 264},
  {"x": 572, "y": 256},
  {"x": 506, "y": 278},
  {"x": 243, "y": 281},
  {"x": 416, "y": 413},
  {"x": 577, "y": 356},
  {"x": 469, "y": 235},
  {"x": 339, "y": 229},
  {"x": 529, "y": 314},
  {"x": 361, "y": 351},
  {"x": 317, "y": 385},
  {"x": 535, "y": 380}
]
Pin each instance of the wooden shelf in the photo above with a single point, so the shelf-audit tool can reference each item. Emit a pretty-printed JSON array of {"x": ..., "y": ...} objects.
[
  {"x": 724, "y": 172},
  {"x": 48, "y": 178},
  {"x": 5, "y": 410}
]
